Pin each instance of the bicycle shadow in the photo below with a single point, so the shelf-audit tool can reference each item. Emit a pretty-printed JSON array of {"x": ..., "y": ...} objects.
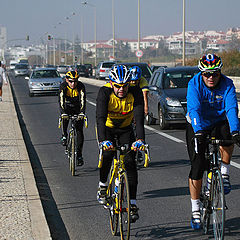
[
  {"x": 232, "y": 227},
  {"x": 166, "y": 231},
  {"x": 168, "y": 192}
]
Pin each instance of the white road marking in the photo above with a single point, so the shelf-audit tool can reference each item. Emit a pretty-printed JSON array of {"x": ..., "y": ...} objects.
[
  {"x": 164, "y": 134},
  {"x": 237, "y": 165},
  {"x": 92, "y": 103}
]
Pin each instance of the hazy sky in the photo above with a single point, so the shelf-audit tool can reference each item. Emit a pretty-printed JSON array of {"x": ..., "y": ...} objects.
[{"x": 38, "y": 17}]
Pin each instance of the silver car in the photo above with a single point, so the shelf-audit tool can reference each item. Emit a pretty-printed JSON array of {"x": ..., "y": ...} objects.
[
  {"x": 103, "y": 68},
  {"x": 21, "y": 70},
  {"x": 44, "y": 81}
]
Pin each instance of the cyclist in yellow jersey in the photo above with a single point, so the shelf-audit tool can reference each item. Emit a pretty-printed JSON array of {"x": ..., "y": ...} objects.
[
  {"x": 139, "y": 80},
  {"x": 117, "y": 104},
  {"x": 72, "y": 101}
]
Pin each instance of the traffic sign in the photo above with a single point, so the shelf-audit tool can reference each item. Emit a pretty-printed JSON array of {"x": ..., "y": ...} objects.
[{"x": 139, "y": 53}]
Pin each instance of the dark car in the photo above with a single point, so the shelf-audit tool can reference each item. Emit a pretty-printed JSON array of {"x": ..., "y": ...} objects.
[
  {"x": 146, "y": 71},
  {"x": 89, "y": 68},
  {"x": 167, "y": 95},
  {"x": 82, "y": 70}
]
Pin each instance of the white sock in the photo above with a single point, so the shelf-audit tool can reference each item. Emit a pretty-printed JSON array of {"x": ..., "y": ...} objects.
[
  {"x": 101, "y": 184},
  {"x": 225, "y": 168},
  {"x": 133, "y": 201},
  {"x": 195, "y": 205}
]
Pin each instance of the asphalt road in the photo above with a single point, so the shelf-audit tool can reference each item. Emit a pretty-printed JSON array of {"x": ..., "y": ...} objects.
[{"x": 70, "y": 203}]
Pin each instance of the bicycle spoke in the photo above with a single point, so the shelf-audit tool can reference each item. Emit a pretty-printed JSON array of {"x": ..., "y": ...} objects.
[
  {"x": 218, "y": 206},
  {"x": 124, "y": 203}
]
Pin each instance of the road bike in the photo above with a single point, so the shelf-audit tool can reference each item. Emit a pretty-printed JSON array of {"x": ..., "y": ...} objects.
[
  {"x": 71, "y": 147},
  {"x": 118, "y": 196},
  {"x": 212, "y": 193}
]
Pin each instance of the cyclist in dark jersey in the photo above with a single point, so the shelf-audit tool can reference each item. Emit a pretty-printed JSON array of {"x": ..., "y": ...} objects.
[
  {"x": 72, "y": 101},
  {"x": 117, "y": 104}
]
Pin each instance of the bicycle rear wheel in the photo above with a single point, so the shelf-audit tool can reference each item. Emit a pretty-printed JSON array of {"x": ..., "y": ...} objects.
[
  {"x": 206, "y": 204},
  {"x": 114, "y": 209},
  {"x": 124, "y": 204},
  {"x": 218, "y": 206},
  {"x": 73, "y": 154}
]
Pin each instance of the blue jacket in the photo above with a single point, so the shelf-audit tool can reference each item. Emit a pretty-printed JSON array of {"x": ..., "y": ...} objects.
[{"x": 206, "y": 107}]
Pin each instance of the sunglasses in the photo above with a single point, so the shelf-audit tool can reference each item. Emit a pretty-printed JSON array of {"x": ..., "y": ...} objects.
[
  {"x": 120, "y": 85},
  {"x": 71, "y": 81},
  {"x": 209, "y": 74}
]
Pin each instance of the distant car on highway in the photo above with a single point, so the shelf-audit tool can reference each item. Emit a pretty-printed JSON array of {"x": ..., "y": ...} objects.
[
  {"x": 21, "y": 70},
  {"x": 102, "y": 69},
  {"x": 44, "y": 81},
  {"x": 82, "y": 70},
  {"x": 146, "y": 71},
  {"x": 89, "y": 68},
  {"x": 62, "y": 69},
  {"x": 155, "y": 67},
  {"x": 167, "y": 101}
]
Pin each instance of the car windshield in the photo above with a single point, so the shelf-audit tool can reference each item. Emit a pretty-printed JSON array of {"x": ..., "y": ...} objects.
[
  {"x": 45, "y": 74},
  {"x": 146, "y": 71},
  {"x": 107, "y": 65},
  {"x": 21, "y": 66},
  {"x": 177, "y": 80}
]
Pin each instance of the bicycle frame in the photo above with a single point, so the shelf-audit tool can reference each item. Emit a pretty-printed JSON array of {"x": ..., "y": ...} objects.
[
  {"x": 213, "y": 197},
  {"x": 71, "y": 144}
]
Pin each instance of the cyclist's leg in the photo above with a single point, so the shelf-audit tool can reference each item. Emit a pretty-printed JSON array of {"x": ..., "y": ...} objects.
[
  {"x": 198, "y": 165},
  {"x": 223, "y": 132},
  {"x": 105, "y": 169},
  {"x": 127, "y": 137},
  {"x": 64, "y": 131},
  {"x": 80, "y": 141}
]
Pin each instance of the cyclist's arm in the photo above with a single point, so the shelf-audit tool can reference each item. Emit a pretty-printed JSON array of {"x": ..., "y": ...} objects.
[
  {"x": 138, "y": 110},
  {"x": 61, "y": 98},
  {"x": 194, "y": 104},
  {"x": 231, "y": 108},
  {"x": 102, "y": 112},
  {"x": 144, "y": 86},
  {"x": 82, "y": 96}
]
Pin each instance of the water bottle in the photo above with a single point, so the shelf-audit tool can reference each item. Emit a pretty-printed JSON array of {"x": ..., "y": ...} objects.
[
  {"x": 116, "y": 185},
  {"x": 209, "y": 180}
]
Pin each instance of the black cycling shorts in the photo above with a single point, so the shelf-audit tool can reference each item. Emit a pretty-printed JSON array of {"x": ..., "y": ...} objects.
[{"x": 198, "y": 162}]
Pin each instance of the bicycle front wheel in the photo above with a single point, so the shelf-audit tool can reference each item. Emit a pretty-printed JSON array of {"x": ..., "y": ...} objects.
[
  {"x": 206, "y": 204},
  {"x": 218, "y": 206},
  {"x": 114, "y": 209},
  {"x": 124, "y": 204}
]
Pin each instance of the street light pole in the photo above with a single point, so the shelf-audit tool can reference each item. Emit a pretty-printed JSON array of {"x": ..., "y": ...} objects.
[
  {"x": 183, "y": 46},
  {"x": 113, "y": 28},
  {"x": 95, "y": 27},
  {"x": 138, "y": 28}
]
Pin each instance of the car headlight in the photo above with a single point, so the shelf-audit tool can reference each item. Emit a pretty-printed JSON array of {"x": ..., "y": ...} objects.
[
  {"x": 173, "y": 102},
  {"x": 34, "y": 84}
]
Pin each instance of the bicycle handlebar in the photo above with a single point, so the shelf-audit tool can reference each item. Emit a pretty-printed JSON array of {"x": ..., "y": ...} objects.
[
  {"x": 145, "y": 149},
  {"x": 76, "y": 117}
]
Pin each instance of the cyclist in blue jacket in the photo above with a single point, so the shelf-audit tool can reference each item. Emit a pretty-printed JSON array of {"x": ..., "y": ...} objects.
[{"x": 212, "y": 108}]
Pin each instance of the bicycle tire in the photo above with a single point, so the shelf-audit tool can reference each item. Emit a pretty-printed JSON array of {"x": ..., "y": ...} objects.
[
  {"x": 113, "y": 210},
  {"x": 73, "y": 154},
  {"x": 218, "y": 206},
  {"x": 206, "y": 204},
  {"x": 124, "y": 207}
]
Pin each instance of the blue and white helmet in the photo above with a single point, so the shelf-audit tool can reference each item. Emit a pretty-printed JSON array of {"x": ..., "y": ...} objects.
[
  {"x": 136, "y": 73},
  {"x": 120, "y": 74}
]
